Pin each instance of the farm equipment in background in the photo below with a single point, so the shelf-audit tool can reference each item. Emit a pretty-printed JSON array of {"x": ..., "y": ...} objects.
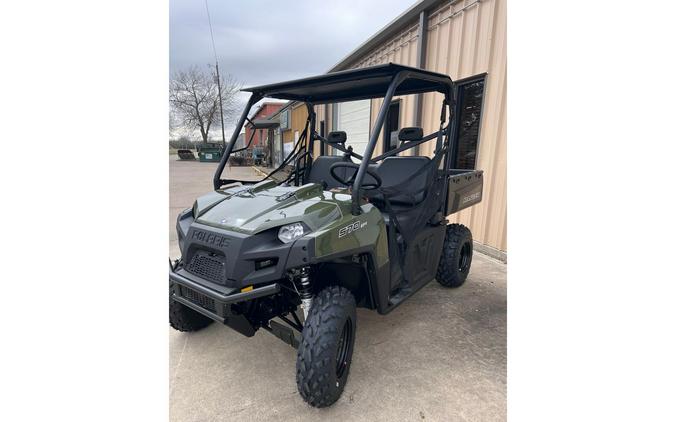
[
  {"x": 259, "y": 157},
  {"x": 186, "y": 154},
  {"x": 210, "y": 152}
]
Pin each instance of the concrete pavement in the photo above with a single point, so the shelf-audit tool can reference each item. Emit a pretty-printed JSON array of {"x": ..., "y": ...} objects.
[
  {"x": 189, "y": 180},
  {"x": 440, "y": 356}
]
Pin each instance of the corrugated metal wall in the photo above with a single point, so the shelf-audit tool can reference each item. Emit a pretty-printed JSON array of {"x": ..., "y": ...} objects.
[
  {"x": 464, "y": 38},
  {"x": 401, "y": 49}
]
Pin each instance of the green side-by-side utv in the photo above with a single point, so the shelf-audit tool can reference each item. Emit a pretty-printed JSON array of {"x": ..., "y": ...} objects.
[{"x": 296, "y": 255}]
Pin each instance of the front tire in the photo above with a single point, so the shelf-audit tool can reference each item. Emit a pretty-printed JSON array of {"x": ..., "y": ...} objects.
[
  {"x": 325, "y": 352},
  {"x": 456, "y": 256},
  {"x": 183, "y": 318}
]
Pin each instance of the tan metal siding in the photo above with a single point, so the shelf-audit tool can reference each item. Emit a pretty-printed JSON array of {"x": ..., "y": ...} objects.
[
  {"x": 400, "y": 49},
  {"x": 464, "y": 38}
]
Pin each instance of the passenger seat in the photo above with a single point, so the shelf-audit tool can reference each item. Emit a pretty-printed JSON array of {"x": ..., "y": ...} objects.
[{"x": 394, "y": 170}]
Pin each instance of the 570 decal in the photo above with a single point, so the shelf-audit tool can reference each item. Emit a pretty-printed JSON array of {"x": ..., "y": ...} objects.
[{"x": 351, "y": 228}]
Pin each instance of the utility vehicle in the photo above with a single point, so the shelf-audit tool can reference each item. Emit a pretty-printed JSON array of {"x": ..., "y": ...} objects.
[{"x": 296, "y": 254}]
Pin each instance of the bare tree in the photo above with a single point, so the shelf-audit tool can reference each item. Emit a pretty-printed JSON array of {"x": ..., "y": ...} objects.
[{"x": 193, "y": 95}]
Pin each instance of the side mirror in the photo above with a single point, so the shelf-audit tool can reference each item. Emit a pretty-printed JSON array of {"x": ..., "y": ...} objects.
[
  {"x": 337, "y": 137},
  {"x": 410, "y": 134}
]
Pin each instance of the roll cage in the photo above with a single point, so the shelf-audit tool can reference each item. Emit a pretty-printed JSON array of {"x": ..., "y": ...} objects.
[{"x": 382, "y": 81}]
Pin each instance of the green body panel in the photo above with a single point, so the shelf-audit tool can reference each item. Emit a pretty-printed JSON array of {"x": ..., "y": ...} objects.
[
  {"x": 265, "y": 205},
  {"x": 367, "y": 230},
  {"x": 327, "y": 215}
]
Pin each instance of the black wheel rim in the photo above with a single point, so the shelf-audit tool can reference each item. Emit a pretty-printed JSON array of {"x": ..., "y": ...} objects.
[
  {"x": 465, "y": 257},
  {"x": 343, "y": 349}
]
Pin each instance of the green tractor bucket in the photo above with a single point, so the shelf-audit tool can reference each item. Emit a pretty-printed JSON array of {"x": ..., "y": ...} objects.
[{"x": 186, "y": 154}]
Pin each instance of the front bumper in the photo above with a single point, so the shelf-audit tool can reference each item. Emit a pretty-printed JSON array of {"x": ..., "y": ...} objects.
[
  {"x": 241, "y": 253},
  {"x": 215, "y": 301}
]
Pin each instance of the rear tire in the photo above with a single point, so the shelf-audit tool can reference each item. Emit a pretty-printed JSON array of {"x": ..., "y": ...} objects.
[
  {"x": 456, "y": 256},
  {"x": 325, "y": 352},
  {"x": 183, "y": 318}
]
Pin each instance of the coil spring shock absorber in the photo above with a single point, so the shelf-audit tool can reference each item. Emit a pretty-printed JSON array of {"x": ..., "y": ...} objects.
[{"x": 304, "y": 289}]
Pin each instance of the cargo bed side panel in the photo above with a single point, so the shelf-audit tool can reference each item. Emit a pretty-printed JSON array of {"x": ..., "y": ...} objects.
[{"x": 464, "y": 190}]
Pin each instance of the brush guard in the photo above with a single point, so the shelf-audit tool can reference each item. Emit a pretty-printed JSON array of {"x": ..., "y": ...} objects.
[{"x": 217, "y": 304}]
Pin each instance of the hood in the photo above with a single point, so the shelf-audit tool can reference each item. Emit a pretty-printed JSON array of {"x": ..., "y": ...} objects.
[{"x": 253, "y": 209}]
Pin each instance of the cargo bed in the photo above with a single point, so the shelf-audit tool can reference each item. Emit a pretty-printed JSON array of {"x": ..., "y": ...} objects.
[{"x": 465, "y": 188}]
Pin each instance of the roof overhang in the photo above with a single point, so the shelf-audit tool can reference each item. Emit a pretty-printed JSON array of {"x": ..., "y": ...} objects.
[
  {"x": 355, "y": 84},
  {"x": 265, "y": 123},
  {"x": 400, "y": 22}
]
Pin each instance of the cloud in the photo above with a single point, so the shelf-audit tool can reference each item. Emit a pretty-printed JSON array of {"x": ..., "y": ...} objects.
[
  {"x": 265, "y": 41},
  {"x": 269, "y": 41}
]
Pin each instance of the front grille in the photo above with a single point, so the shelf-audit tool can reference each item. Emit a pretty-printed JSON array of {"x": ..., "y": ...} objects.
[
  {"x": 198, "y": 298},
  {"x": 208, "y": 266}
]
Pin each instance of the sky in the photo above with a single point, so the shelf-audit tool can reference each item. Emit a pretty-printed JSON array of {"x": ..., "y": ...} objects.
[{"x": 267, "y": 41}]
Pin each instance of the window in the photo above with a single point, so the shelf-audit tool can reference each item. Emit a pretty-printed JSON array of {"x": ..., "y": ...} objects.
[
  {"x": 469, "y": 109},
  {"x": 285, "y": 119},
  {"x": 391, "y": 125}
]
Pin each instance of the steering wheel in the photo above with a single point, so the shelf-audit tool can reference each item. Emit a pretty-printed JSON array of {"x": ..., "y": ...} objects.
[{"x": 349, "y": 182}]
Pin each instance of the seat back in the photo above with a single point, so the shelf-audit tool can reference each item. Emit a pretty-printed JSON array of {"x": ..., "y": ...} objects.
[
  {"x": 395, "y": 170},
  {"x": 320, "y": 172}
]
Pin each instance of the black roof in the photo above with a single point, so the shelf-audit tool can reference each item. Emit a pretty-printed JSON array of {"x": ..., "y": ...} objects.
[{"x": 355, "y": 84}]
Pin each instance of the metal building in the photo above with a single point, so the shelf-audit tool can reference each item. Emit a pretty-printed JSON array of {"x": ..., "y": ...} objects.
[{"x": 465, "y": 39}]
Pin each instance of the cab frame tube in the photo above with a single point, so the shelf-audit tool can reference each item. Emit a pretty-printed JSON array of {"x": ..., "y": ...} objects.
[
  {"x": 217, "y": 181},
  {"x": 368, "y": 153}
]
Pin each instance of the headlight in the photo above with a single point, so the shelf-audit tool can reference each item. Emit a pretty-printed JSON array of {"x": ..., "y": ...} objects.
[{"x": 290, "y": 232}]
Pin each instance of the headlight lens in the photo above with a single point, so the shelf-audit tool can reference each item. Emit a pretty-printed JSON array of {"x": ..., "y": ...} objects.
[{"x": 290, "y": 232}]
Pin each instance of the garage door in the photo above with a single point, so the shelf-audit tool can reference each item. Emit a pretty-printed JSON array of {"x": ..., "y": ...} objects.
[{"x": 354, "y": 118}]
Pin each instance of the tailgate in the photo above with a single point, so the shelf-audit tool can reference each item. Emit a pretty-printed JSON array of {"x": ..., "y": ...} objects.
[{"x": 465, "y": 188}]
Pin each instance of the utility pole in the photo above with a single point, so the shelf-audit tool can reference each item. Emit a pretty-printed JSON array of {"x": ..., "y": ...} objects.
[
  {"x": 215, "y": 55},
  {"x": 220, "y": 102}
]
